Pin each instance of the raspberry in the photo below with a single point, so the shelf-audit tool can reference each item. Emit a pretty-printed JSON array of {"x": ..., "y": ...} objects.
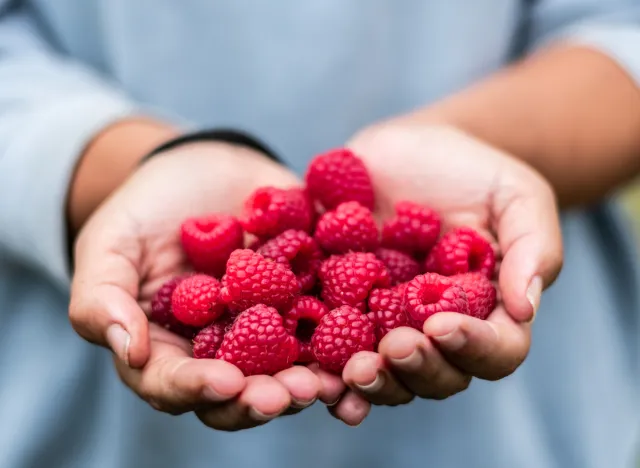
[
  {"x": 462, "y": 250},
  {"x": 431, "y": 293},
  {"x": 339, "y": 176},
  {"x": 162, "y": 313},
  {"x": 252, "y": 279},
  {"x": 208, "y": 242},
  {"x": 481, "y": 294},
  {"x": 342, "y": 333},
  {"x": 297, "y": 250},
  {"x": 414, "y": 229},
  {"x": 387, "y": 311},
  {"x": 400, "y": 288},
  {"x": 270, "y": 211},
  {"x": 258, "y": 343},
  {"x": 301, "y": 321},
  {"x": 401, "y": 266},
  {"x": 196, "y": 301},
  {"x": 350, "y": 227},
  {"x": 348, "y": 279},
  {"x": 207, "y": 342}
]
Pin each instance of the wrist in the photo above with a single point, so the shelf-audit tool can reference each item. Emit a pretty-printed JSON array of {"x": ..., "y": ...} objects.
[{"x": 108, "y": 160}]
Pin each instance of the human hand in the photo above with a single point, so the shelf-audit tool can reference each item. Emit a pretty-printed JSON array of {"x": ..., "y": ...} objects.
[
  {"x": 130, "y": 247},
  {"x": 468, "y": 183}
]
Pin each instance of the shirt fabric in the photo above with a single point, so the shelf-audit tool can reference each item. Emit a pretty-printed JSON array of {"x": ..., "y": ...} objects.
[{"x": 304, "y": 76}]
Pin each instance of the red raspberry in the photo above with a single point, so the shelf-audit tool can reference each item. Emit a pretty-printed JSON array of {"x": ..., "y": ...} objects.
[
  {"x": 342, "y": 333},
  {"x": 387, "y": 311},
  {"x": 462, "y": 250},
  {"x": 270, "y": 211},
  {"x": 339, "y": 176},
  {"x": 251, "y": 279},
  {"x": 301, "y": 321},
  {"x": 208, "y": 242},
  {"x": 258, "y": 342},
  {"x": 414, "y": 229},
  {"x": 348, "y": 279},
  {"x": 431, "y": 293},
  {"x": 297, "y": 250},
  {"x": 196, "y": 301},
  {"x": 481, "y": 294},
  {"x": 208, "y": 340},
  {"x": 401, "y": 266},
  {"x": 350, "y": 228},
  {"x": 400, "y": 288},
  {"x": 162, "y": 313}
]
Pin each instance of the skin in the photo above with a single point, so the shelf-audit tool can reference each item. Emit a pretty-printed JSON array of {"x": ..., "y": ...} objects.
[
  {"x": 571, "y": 114},
  {"x": 509, "y": 146},
  {"x": 493, "y": 193},
  {"x": 130, "y": 246}
]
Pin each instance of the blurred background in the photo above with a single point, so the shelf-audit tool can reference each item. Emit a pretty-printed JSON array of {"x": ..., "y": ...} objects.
[{"x": 631, "y": 199}]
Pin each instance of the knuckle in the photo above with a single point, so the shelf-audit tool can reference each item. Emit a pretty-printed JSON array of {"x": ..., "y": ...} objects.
[
  {"x": 165, "y": 407},
  {"x": 79, "y": 312},
  {"x": 442, "y": 390},
  {"x": 505, "y": 370},
  {"x": 164, "y": 377},
  {"x": 403, "y": 399},
  {"x": 218, "y": 421},
  {"x": 144, "y": 391},
  {"x": 76, "y": 315},
  {"x": 463, "y": 384},
  {"x": 437, "y": 395}
]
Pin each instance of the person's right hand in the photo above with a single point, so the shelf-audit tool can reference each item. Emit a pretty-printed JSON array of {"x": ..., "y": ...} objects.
[{"x": 130, "y": 246}]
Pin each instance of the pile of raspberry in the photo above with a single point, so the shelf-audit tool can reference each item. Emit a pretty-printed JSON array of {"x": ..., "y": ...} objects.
[{"x": 306, "y": 274}]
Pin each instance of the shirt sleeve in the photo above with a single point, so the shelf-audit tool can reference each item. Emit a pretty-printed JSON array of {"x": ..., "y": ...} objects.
[
  {"x": 50, "y": 109},
  {"x": 611, "y": 27}
]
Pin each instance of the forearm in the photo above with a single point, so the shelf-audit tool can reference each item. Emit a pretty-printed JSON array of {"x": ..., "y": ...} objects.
[
  {"x": 108, "y": 160},
  {"x": 570, "y": 112}
]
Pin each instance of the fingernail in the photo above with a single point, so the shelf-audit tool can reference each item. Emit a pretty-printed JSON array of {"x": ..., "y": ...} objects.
[
  {"x": 334, "y": 403},
  {"x": 302, "y": 404},
  {"x": 412, "y": 362},
  {"x": 119, "y": 341},
  {"x": 374, "y": 386},
  {"x": 452, "y": 341},
  {"x": 534, "y": 292},
  {"x": 259, "y": 416}
]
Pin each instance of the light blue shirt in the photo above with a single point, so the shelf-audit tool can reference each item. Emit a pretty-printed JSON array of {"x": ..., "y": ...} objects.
[{"x": 304, "y": 75}]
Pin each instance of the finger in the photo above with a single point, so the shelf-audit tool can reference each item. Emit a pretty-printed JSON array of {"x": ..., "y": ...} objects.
[
  {"x": 489, "y": 349},
  {"x": 303, "y": 386},
  {"x": 420, "y": 366},
  {"x": 263, "y": 399},
  {"x": 366, "y": 373},
  {"x": 173, "y": 382},
  {"x": 332, "y": 386},
  {"x": 352, "y": 409},
  {"x": 528, "y": 229},
  {"x": 103, "y": 307}
]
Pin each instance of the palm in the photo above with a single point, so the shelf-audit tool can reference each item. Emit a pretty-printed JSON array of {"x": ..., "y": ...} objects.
[
  {"x": 131, "y": 246},
  {"x": 467, "y": 183},
  {"x": 147, "y": 212}
]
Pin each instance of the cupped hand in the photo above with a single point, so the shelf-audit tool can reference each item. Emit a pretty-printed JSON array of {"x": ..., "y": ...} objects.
[
  {"x": 130, "y": 246},
  {"x": 473, "y": 184}
]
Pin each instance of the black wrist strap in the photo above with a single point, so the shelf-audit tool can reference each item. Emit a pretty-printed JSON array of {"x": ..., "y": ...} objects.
[{"x": 224, "y": 135}]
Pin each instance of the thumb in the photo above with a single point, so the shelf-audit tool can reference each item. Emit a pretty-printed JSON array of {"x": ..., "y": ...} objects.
[
  {"x": 103, "y": 307},
  {"x": 528, "y": 228}
]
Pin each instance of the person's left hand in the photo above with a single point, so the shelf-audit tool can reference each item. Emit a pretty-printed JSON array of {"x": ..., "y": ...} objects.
[{"x": 468, "y": 183}]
